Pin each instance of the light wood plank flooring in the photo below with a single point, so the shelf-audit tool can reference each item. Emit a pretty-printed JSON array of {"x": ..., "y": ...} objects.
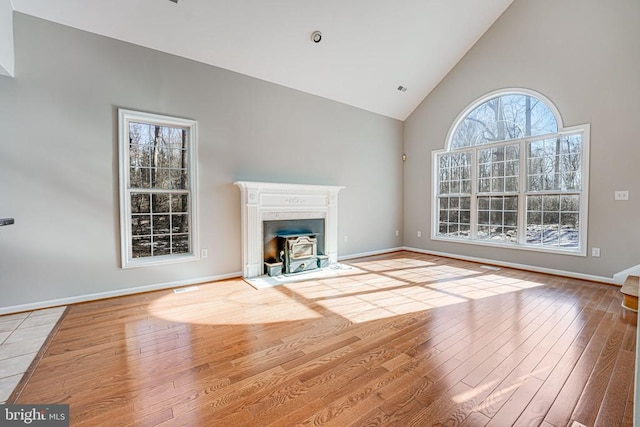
[{"x": 403, "y": 339}]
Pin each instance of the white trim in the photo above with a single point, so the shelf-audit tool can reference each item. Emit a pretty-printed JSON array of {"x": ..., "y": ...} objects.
[
  {"x": 124, "y": 117},
  {"x": 370, "y": 253},
  {"x": 112, "y": 294},
  {"x": 526, "y": 267}
]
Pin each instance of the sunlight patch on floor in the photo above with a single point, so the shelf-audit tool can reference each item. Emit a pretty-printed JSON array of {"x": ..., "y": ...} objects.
[{"x": 366, "y": 291}]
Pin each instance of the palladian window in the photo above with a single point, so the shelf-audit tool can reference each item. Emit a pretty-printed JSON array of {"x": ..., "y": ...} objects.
[{"x": 511, "y": 175}]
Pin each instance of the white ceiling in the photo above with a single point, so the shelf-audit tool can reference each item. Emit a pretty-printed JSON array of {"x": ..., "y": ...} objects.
[{"x": 368, "y": 49}]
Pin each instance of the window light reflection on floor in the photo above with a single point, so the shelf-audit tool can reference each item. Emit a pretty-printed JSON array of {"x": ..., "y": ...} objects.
[{"x": 369, "y": 291}]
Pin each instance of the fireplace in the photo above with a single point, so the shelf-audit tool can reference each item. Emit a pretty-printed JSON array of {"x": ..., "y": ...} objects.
[{"x": 272, "y": 213}]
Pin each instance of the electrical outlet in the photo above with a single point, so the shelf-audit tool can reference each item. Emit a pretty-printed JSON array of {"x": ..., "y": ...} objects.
[
  {"x": 397, "y": 233},
  {"x": 419, "y": 234},
  {"x": 621, "y": 195},
  {"x": 204, "y": 253},
  {"x": 346, "y": 239},
  {"x": 595, "y": 252}
]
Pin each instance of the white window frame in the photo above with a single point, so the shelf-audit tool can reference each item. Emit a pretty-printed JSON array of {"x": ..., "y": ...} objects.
[
  {"x": 124, "y": 118},
  {"x": 584, "y": 130}
]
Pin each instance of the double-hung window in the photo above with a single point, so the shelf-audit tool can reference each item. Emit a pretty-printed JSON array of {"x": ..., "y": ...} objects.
[
  {"x": 157, "y": 189},
  {"x": 512, "y": 176}
]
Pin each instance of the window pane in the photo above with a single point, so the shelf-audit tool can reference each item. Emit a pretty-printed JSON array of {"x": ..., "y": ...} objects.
[
  {"x": 553, "y": 220},
  {"x": 178, "y": 159},
  {"x": 505, "y": 117},
  {"x": 551, "y": 203},
  {"x": 140, "y": 203},
  {"x": 534, "y": 203},
  {"x": 180, "y": 244},
  {"x": 140, "y": 177},
  {"x": 141, "y": 225},
  {"x": 160, "y": 179},
  {"x": 178, "y": 178},
  {"x": 180, "y": 223},
  {"x": 555, "y": 164},
  {"x": 160, "y": 224},
  {"x": 570, "y": 203},
  {"x": 454, "y": 173},
  {"x": 454, "y": 216},
  {"x": 483, "y": 217},
  {"x": 444, "y": 188},
  {"x": 179, "y": 202},
  {"x": 140, "y": 247},
  {"x": 497, "y": 185},
  {"x": 498, "y": 218},
  {"x": 160, "y": 203},
  {"x": 161, "y": 245},
  {"x": 484, "y": 185},
  {"x": 496, "y": 175},
  {"x": 496, "y": 203}
]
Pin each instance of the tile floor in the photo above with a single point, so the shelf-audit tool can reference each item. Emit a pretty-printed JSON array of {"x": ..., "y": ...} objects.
[{"x": 21, "y": 336}]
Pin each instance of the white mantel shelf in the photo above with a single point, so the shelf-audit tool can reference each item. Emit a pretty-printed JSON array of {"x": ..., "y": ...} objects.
[{"x": 268, "y": 201}]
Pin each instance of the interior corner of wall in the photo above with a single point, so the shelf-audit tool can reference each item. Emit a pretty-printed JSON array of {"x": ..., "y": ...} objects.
[{"x": 7, "y": 46}]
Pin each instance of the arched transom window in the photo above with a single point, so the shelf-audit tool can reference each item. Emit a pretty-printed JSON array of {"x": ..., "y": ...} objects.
[{"x": 512, "y": 175}]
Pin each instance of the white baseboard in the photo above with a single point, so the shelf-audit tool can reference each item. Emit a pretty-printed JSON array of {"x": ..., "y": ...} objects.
[
  {"x": 571, "y": 274},
  {"x": 111, "y": 294},
  {"x": 372, "y": 253}
]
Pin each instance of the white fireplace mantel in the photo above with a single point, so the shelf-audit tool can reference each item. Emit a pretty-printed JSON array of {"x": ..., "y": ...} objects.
[{"x": 266, "y": 201}]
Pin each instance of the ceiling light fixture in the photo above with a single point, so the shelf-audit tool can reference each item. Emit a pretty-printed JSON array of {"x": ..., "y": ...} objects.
[{"x": 316, "y": 36}]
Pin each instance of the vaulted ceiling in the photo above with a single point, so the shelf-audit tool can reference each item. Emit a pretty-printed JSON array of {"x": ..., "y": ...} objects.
[{"x": 368, "y": 49}]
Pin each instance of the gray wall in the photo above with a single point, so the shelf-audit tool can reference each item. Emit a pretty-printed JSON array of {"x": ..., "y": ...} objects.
[
  {"x": 584, "y": 55},
  {"x": 58, "y": 160}
]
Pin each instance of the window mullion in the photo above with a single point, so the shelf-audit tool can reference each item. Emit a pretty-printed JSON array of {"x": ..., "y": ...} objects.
[
  {"x": 522, "y": 196},
  {"x": 474, "y": 194}
]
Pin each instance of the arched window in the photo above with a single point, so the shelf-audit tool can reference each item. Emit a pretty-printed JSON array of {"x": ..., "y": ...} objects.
[{"x": 512, "y": 175}]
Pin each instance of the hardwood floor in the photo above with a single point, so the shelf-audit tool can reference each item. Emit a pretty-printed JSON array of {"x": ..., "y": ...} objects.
[{"x": 402, "y": 339}]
